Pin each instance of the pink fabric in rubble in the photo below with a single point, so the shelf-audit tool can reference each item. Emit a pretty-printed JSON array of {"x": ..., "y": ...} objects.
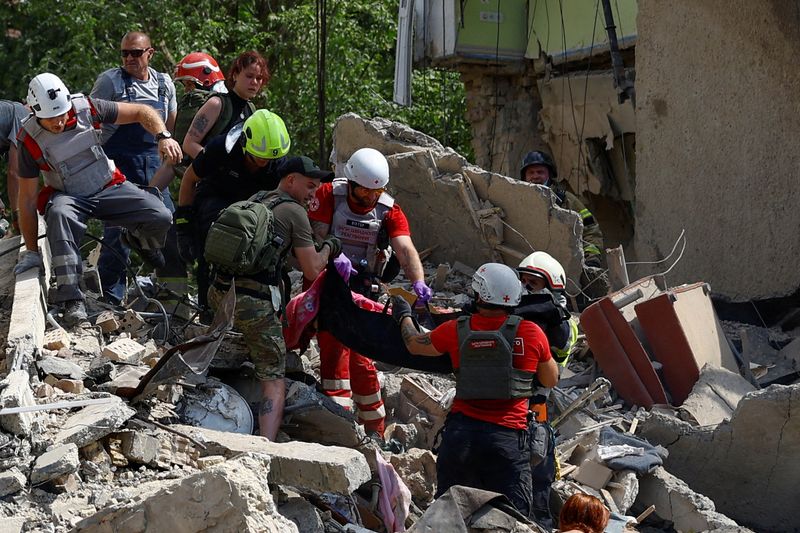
[{"x": 395, "y": 498}]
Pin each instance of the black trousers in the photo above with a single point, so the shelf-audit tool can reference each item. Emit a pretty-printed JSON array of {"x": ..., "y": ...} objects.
[{"x": 485, "y": 456}]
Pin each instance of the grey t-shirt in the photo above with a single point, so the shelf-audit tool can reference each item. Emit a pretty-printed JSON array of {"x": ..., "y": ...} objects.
[
  {"x": 11, "y": 115},
  {"x": 110, "y": 86},
  {"x": 106, "y": 113}
]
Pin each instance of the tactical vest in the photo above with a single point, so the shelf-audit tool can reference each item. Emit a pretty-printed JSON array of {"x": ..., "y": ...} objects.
[
  {"x": 358, "y": 233},
  {"x": 132, "y": 139},
  {"x": 71, "y": 161},
  {"x": 485, "y": 369}
]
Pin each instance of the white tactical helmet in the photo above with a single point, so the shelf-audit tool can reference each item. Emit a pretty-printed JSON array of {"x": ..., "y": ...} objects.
[
  {"x": 545, "y": 266},
  {"x": 497, "y": 284},
  {"x": 48, "y": 96},
  {"x": 367, "y": 167}
]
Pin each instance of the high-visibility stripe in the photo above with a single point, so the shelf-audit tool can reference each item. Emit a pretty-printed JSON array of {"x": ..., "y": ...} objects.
[
  {"x": 367, "y": 399},
  {"x": 344, "y": 401},
  {"x": 67, "y": 279},
  {"x": 562, "y": 355},
  {"x": 376, "y": 414},
  {"x": 336, "y": 384},
  {"x": 584, "y": 213},
  {"x": 65, "y": 260}
]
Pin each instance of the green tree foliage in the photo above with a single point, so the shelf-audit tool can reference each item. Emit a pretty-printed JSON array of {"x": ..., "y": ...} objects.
[{"x": 78, "y": 39}]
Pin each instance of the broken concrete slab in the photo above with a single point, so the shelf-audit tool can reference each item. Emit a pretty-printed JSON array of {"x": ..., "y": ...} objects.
[
  {"x": 17, "y": 393},
  {"x": 676, "y": 502},
  {"x": 299, "y": 464},
  {"x": 232, "y": 496},
  {"x": 12, "y": 524},
  {"x": 715, "y": 396},
  {"x": 94, "y": 422},
  {"x": 751, "y": 459},
  {"x": 60, "y": 368},
  {"x": 11, "y": 482},
  {"x": 56, "y": 462},
  {"x": 304, "y": 515},
  {"x": 138, "y": 447},
  {"x": 317, "y": 418}
]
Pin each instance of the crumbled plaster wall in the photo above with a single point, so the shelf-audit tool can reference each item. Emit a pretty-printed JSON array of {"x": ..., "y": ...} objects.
[
  {"x": 446, "y": 199},
  {"x": 718, "y": 95}
]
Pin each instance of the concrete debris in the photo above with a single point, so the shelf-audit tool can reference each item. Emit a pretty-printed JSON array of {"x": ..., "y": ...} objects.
[
  {"x": 17, "y": 393},
  {"x": 303, "y": 514},
  {"x": 232, "y": 496},
  {"x": 417, "y": 469},
  {"x": 71, "y": 386},
  {"x": 298, "y": 464},
  {"x": 715, "y": 396},
  {"x": 57, "y": 462},
  {"x": 60, "y": 368},
  {"x": 215, "y": 405},
  {"x": 11, "y": 482},
  {"x": 93, "y": 423},
  {"x": 57, "y": 339}
]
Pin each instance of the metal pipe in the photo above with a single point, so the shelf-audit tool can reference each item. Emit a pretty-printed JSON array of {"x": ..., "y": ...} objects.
[{"x": 621, "y": 81}]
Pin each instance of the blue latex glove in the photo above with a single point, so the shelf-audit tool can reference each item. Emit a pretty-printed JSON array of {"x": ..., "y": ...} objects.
[
  {"x": 344, "y": 267},
  {"x": 29, "y": 260},
  {"x": 422, "y": 291}
]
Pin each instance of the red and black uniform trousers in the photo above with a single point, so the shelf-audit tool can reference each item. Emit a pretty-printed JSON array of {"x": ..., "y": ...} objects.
[{"x": 349, "y": 378}]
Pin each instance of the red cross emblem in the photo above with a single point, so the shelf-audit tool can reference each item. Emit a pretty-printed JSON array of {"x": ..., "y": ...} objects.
[{"x": 506, "y": 298}]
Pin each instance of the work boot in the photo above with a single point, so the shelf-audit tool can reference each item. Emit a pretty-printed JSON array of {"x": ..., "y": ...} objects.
[
  {"x": 74, "y": 312},
  {"x": 152, "y": 256}
]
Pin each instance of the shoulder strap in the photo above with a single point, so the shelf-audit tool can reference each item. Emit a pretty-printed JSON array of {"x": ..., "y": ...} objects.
[
  {"x": 224, "y": 115},
  {"x": 126, "y": 79},
  {"x": 510, "y": 327},
  {"x": 462, "y": 328},
  {"x": 278, "y": 200},
  {"x": 33, "y": 147},
  {"x": 162, "y": 91}
]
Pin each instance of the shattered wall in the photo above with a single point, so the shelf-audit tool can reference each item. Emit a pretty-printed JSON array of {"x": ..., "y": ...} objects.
[
  {"x": 469, "y": 215},
  {"x": 748, "y": 466},
  {"x": 718, "y": 93}
]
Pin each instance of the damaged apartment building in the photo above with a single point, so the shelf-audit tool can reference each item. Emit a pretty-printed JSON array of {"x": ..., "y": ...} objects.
[{"x": 675, "y": 409}]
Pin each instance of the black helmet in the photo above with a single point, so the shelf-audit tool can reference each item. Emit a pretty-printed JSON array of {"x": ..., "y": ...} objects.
[{"x": 538, "y": 158}]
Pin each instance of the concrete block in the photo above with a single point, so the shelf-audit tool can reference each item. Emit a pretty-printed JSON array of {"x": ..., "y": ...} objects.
[
  {"x": 13, "y": 524},
  {"x": 107, "y": 321},
  {"x": 17, "y": 393},
  {"x": 593, "y": 474},
  {"x": 303, "y": 514},
  {"x": 55, "y": 339},
  {"x": 11, "y": 482},
  {"x": 139, "y": 447},
  {"x": 59, "y": 461},
  {"x": 417, "y": 469},
  {"x": 232, "y": 496},
  {"x": 675, "y": 501},
  {"x": 93, "y": 423},
  {"x": 298, "y": 464},
  {"x": 73, "y": 386},
  {"x": 124, "y": 351},
  {"x": 624, "y": 488},
  {"x": 715, "y": 396},
  {"x": 60, "y": 368}
]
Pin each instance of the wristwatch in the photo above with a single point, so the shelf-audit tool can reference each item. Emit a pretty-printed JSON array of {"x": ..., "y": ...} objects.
[{"x": 163, "y": 135}]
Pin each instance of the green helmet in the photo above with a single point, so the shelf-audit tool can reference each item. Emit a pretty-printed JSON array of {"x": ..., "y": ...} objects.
[{"x": 265, "y": 135}]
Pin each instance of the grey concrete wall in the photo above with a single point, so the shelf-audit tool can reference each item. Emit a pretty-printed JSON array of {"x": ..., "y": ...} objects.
[{"x": 718, "y": 88}]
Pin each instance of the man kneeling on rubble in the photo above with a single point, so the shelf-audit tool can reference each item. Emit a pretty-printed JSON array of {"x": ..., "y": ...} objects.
[
  {"x": 496, "y": 357},
  {"x": 61, "y": 139},
  {"x": 258, "y": 295}
]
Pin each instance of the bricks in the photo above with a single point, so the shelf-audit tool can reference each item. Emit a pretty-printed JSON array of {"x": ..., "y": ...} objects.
[
  {"x": 124, "y": 351},
  {"x": 107, "y": 322},
  {"x": 72, "y": 386},
  {"x": 55, "y": 339},
  {"x": 131, "y": 322}
]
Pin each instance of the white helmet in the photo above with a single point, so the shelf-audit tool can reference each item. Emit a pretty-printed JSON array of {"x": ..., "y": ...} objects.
[
  {"x": 545, "y": 266},
  {"x": 48, "y": 96},
  {"x": 367, "y": 167},
  {"x": 497, "y": 284}
]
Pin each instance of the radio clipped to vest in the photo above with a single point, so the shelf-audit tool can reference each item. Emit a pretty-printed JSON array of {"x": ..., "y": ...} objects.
[
  {"x": 243, "y": 241},
  {"x": 486, "y": 370}
]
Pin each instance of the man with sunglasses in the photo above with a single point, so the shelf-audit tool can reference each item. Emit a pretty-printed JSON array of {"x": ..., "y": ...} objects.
[
  {"x": 375, "y": 236},
  {"x": 135, "y": 151}
]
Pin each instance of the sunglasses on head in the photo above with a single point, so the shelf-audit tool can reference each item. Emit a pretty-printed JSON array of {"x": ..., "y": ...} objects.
[{"x": 135, "y": 53}]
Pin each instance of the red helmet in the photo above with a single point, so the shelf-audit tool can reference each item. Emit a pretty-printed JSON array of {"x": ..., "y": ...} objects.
[{"x": 200, "y": 68}]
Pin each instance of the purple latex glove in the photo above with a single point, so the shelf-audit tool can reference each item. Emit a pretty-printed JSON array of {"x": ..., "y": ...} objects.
[
  {"x": 344, "y": 267},
  {"x": 423, "y": 292}
]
